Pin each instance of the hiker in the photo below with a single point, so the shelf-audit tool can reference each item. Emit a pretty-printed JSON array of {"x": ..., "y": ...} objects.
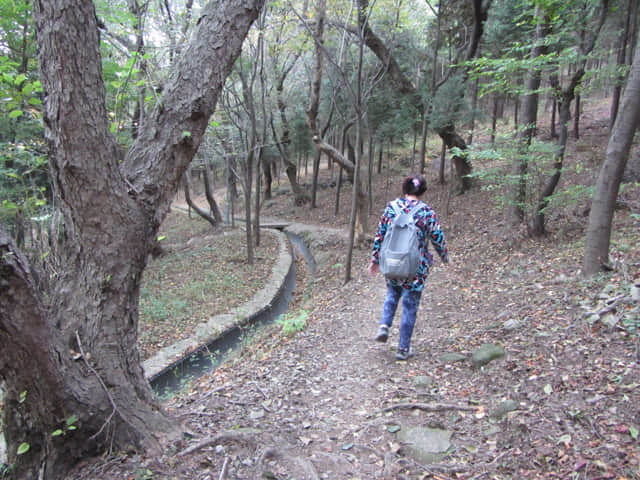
[{"x": 410, "y": 289}]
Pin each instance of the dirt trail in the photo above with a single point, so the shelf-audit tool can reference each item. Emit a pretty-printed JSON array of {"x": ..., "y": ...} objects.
[{"x": 329, "y": 402}]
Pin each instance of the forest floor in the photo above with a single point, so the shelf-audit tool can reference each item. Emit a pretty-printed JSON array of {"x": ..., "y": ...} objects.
[{"x": 328, "y": 402}]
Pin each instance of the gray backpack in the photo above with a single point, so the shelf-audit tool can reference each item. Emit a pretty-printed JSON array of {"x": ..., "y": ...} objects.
[{"x": 399, "y": 253}]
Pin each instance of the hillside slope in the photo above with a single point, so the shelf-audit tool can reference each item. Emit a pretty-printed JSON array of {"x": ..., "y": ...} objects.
[{"x": 329, "y": 402}]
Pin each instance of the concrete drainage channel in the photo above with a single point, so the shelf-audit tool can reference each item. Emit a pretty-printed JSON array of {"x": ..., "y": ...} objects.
[{"x": 171, "y": 368}]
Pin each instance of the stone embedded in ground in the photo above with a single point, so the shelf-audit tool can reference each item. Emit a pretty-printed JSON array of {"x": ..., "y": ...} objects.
[
  {"x": 503, "y": 409},
  {"x": 610, "y": 320},
  {"x": 422, "y": 381},
  {"x": 486, "y": 353},
  {"x": 426, "y": 445},
  {"x": 452, "y": 357},
  {"x": 512, "y": 324}
]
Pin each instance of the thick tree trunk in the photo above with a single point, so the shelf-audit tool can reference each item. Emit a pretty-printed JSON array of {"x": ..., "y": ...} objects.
[
  {"x": 69, "y": 352},
  {"x": 596, "y": 251}
]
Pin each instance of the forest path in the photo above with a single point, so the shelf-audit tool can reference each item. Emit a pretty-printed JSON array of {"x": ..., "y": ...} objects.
[{"x": 329, "y": 402}]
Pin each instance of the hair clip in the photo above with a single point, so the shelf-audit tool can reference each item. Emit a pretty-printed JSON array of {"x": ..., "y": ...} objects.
[{"x": 416, "y": 182}]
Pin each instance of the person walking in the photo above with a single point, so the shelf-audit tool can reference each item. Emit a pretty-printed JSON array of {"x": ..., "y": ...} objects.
[{"x": 410, "y": 289}]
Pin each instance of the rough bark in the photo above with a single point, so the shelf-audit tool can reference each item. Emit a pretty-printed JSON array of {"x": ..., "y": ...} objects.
[
  {"x": 596, "y": 251},
  {"x": 72, "y": 349}
]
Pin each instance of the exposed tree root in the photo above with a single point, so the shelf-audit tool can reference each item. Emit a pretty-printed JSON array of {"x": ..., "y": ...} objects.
[
  {"x": 231, "y": 436},
  {"x": 429, "y": 407}
]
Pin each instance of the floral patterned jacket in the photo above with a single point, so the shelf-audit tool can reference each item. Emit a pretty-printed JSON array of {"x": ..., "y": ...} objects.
[{"x": 428, "y": 228}]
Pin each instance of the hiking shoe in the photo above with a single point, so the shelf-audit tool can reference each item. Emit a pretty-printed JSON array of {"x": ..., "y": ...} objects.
[
  {"x": 383, "y": 334},
  {"x": 404, "y": 353}
]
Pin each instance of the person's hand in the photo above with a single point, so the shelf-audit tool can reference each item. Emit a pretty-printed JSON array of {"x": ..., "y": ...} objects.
[{"x": 373, "y": 268}]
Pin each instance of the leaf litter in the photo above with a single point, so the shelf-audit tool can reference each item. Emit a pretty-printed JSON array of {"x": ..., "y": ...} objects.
[{"x": 286, "y": 406}]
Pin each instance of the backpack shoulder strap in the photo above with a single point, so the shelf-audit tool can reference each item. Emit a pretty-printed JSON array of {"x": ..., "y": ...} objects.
[
  {"x": 417, "y": 207},
  {"x": 395, "y": 205}
]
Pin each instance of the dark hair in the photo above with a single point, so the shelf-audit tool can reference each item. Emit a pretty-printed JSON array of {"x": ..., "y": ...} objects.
[{"x": 414, "y": 185}]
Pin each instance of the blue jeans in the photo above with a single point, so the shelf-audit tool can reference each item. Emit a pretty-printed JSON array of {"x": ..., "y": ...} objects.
[{"x": 410, "y": 303}]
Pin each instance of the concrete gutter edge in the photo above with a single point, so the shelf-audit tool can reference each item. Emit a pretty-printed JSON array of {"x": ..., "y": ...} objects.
[{"x": 217, "y": 326}]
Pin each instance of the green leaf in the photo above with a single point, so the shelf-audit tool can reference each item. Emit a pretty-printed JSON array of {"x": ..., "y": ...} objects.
[
  {"x": 633, "y": 431},
  {"x": 15, "y": 114},
  {"x": 23, "y": 448},
  {"x": 23, "y": 397},
  {"x": 71, "y": 420},
  {"x": 57, "y": 433}
]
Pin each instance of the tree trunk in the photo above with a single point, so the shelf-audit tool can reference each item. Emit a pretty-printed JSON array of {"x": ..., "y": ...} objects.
[
  {"x": 211, "y": 199},
  {"x": 538, "y": 222},
  {"x": 423, "y": 142},
  {"x": 268, "y": 179},
  {"x": 565, "y": 98},
  {"x": 69, "y": 352},
  {"x": 596, "y": 251},
  {"x": 443, "y": 155},
  {"x": 186, "y": 184},
  {"x": 474, "y": 109},
  {"x": 314, "y": 103},
  {"x": 576, "y": 119},
  {"x": 621, "y": 60},
  {"x": 299, "y": 195},
  {"x": 314, "y": 180},
  {"x": 528, "y": 124},
  {"x": 494, "y": 119}
]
